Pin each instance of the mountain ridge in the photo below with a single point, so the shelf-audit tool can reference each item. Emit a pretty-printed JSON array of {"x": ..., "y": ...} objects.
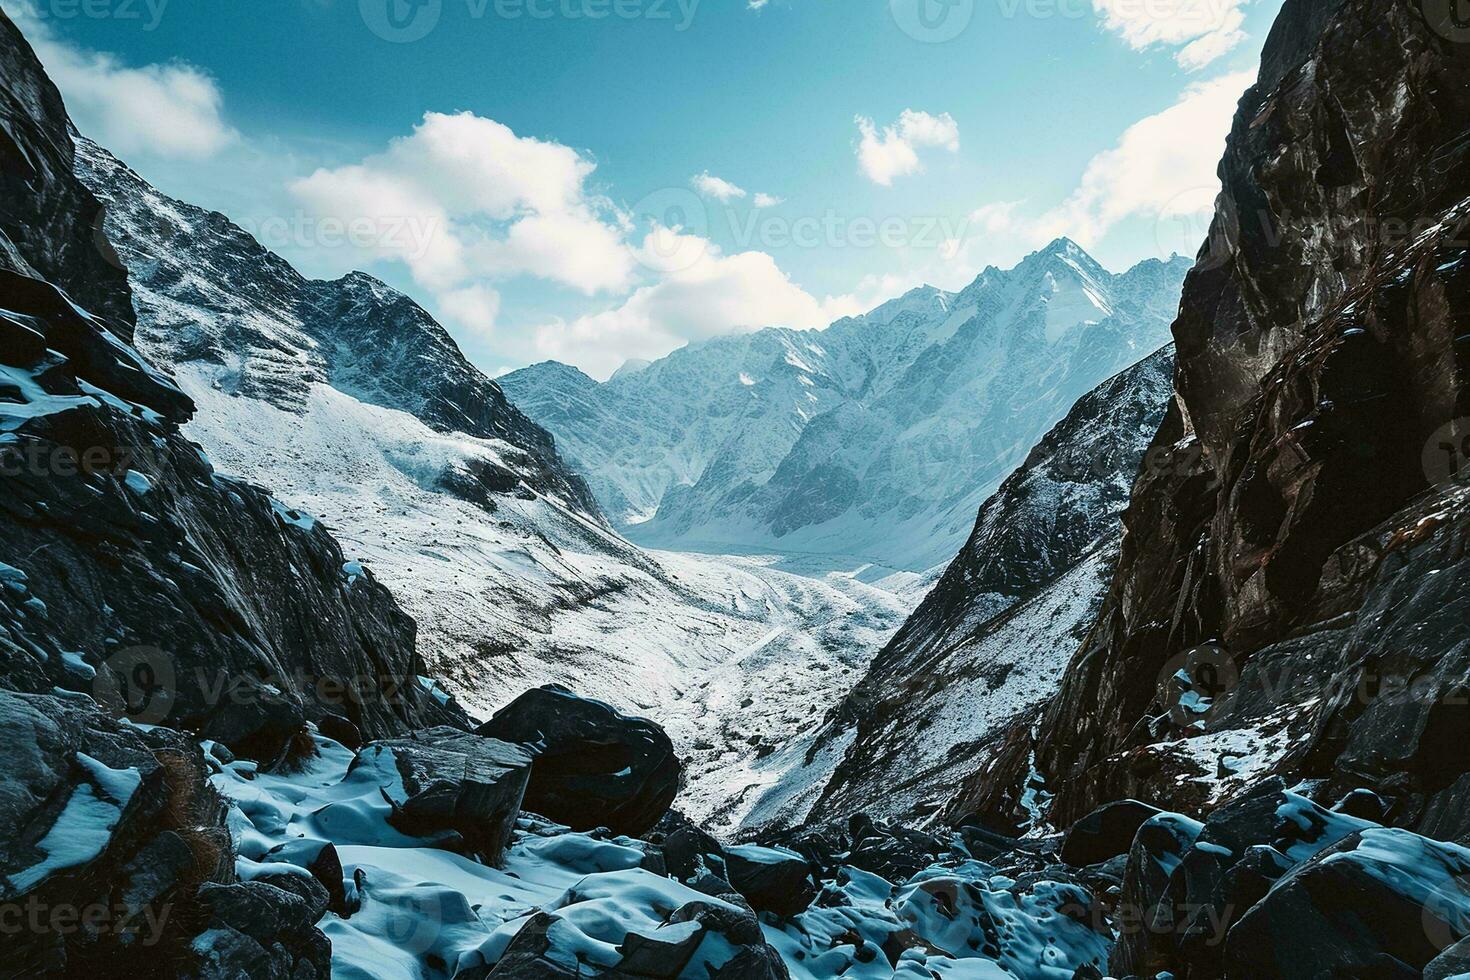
[
  {"x": 354, "y": 332},
  {"x": 905, "y": 418}
]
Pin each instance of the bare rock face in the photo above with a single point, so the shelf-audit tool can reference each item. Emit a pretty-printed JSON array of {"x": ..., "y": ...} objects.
[
  {"x": 1322, "y": 357},
  {"x": 36, "y": 164},
  {"x": 109, "y": 833},
  {"x": 981, "y": 653}
]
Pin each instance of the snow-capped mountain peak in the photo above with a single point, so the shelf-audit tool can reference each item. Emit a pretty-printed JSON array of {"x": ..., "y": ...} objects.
[{"x": 871, "y": 443}]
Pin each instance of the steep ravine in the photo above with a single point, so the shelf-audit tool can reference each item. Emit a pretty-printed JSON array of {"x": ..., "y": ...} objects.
[{"x": 988, "y": 644}]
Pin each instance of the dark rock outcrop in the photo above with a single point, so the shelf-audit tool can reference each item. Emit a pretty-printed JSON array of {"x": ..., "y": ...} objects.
[
  {"x": 257, "y": 929},
  {"x": 1322, "y": 368},
  {"x": 109, "y": 833},
  {"x": 132, "y": 570},
  {"x": 594, "y": 766},
  {"x": 772, "y": 878},
  {"x": 1105, "y": 832},
  {"x": 37, "y": 160},
  {"x": 1275, "y": 885},
  {"x": 460, "y": 784},
  {"x": 1365, "y": 906}
]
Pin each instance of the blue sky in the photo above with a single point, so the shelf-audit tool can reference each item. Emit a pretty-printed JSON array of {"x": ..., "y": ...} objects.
[{"x": 553, "y": 183}]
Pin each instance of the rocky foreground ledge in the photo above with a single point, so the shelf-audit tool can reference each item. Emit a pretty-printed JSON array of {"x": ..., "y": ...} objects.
[{"x": 417, "y": 857}]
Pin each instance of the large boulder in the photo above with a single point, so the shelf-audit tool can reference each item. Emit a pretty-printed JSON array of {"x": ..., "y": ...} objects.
[
  {"x": 1381, "y": 902},
  {"x": 256, "y": 929},
  {"x": 459, "y": 784},
  {"x": 1105, "y": 832},
  {"x": 771, "y": 879},
  {"x": 778, "y": 880},
  {"x": 1147, "y": 920},
  {"x": 595, "y": 767}
]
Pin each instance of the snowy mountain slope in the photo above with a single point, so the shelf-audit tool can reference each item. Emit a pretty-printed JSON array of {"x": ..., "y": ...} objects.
[
  {"x": 990, "y": 641},
  {"x": 722, "y": 651},
  {"x": 479, "y": 532},
  {"x": 208, "y": 292},
  {"x": 873, "y": 442}
]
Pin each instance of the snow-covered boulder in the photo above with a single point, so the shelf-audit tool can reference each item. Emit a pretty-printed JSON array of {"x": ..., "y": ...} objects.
[
  {"x": 635, "y": 924},
  {"x": 1379, "y": 900},
  {"x": 1274, "y": 884}
]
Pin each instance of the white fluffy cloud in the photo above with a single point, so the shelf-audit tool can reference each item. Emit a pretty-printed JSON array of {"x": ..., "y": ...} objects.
[
  {"x": 466, "y": 203},
  {"x": 715, "y": 294},
  {"x": 474, "y": 307},
  {"x": 464, "y": 198},
  {"x": 719, "y": 189},
  {"x": 894, "y": 151},
  {"x": 1162, "y": 166},
  {"x": 1202, "y": 30},
  {"x": 711, "y": 186},
  {"x": 164, "y": 110},
  {"x": 1161, "y": 169}
]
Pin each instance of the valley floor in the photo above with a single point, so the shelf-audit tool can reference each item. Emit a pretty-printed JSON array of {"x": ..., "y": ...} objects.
[{"x": 736, "y": 658}]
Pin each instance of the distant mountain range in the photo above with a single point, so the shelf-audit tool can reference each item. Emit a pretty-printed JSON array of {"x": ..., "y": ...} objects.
[{"x": 869, "y": 445}]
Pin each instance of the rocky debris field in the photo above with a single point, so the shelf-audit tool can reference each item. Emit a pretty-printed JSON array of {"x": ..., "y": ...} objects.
[{"x": 418, "y": 857}]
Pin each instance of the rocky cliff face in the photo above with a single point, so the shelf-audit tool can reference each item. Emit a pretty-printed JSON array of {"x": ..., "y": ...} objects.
[
  {"x": 130, "y": 567},
  {"x": 36, "y": 157},
  {"x": 136, "y": 579},
  {"x": 1298, "y": 606}
]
